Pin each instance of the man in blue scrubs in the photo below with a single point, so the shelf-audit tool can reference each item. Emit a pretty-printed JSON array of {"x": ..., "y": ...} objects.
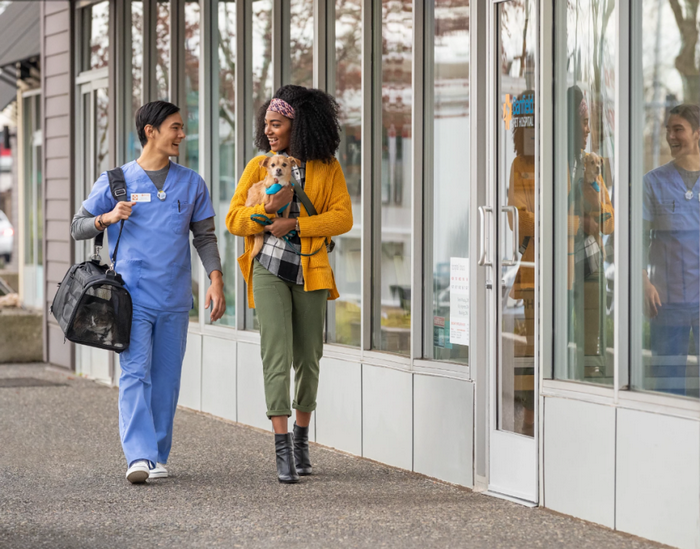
[
  {"x": 165, "y": 202},
  {"x": 672, "y": 255}
]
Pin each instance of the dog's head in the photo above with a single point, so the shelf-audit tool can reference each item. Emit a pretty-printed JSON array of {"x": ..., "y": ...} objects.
[
  {"x": 279, "y": 168},
  {"x": 592, "y": 167}
]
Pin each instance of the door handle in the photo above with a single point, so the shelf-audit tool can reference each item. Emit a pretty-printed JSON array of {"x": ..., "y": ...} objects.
[
  {"x": 482, "y": 236},
  {"x": 516, "y": 236}
]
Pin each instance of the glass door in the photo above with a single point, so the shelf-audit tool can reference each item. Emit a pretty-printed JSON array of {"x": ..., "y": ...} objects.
[
  {"x": 514, "y": 188},
  {"x": 93, "y": 155}
]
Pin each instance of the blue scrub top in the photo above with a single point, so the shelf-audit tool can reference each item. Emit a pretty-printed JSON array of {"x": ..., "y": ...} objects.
[
  {"x": 154, "y": 251},
  {"x": 674, "y": 253}
]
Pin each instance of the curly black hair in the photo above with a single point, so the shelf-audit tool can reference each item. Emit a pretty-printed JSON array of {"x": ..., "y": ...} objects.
[{"x": 315, "y": 127}]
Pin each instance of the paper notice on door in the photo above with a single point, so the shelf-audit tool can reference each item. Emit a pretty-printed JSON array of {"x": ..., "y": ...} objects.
[{"x": 459, "y": 301}]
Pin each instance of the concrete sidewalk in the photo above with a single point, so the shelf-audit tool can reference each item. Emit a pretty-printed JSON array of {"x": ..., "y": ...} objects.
[{"x": 62, "y": 486}]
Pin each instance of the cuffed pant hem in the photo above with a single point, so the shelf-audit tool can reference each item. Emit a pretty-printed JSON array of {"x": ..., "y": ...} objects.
[
  {"x": 307, "y": 409},
  {"x": 274, "y": 413}
]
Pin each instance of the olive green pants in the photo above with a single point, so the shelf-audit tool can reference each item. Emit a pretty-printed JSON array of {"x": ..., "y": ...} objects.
[{"x": 291, "y": 333}]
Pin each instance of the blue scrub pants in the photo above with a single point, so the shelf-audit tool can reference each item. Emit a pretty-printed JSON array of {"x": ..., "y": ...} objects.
[
  {"x": 150, "y": 383},
  {"x": 670, "y": 341}
]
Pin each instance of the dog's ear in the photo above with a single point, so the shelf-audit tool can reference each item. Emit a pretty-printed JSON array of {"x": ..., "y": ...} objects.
[
  {"x": 265, "y": 162},
  {"x": 294, "y": 161}
]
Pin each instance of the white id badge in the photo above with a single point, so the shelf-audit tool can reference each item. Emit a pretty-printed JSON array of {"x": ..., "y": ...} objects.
[{"x": 140, "y": 197}]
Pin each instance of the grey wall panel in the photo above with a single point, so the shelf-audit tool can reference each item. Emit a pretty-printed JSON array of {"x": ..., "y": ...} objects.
[
  {"x": 658, "y": 478},
  {"x": 57, "y": 85},
  {"x": 51, "y": 290},
  {"x": 191, "y": 381},
  {"x": 56, "y": 147},
  {"x": 58, "y": 63},
  {"x": 57, "y": 105},
  {"x": 59, "y": 352},
  {"x": 57, "y": 126},
  {"x": 58, "y": 43},
  {"x": 55, "y": 7},
  {"x": 57, "y": 22},
  {"x": 579, "y": 459},
  {"x": 339, "y": 412},
  {"x": 59, "y": 251},
  {"x": 58, "y": 209},
  {"x": 251, "y": 389},
  {"x": 443, "y": 428},
  {"x": 57, "y": 229},
  {"x": 387, "y": 416},
  {"x": 57, "y": 168},
  {"x": 219, "y": 377},
  {"x": 55, "y": 189},
  {"x": 55, "y": 271}
]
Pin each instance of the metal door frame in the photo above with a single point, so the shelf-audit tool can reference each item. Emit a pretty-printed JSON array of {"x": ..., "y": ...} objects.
[{"x": 497, "y": 441}]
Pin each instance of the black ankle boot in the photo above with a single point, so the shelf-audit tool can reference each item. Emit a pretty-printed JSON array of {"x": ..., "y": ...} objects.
[
  {"x": 286, "y": 470},
  {"x": 301, "y": 450}
]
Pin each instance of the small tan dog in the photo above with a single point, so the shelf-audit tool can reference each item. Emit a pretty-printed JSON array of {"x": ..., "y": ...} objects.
[
  {"x": 593, "y": 197},
  {"x": 279, "y": 171}
]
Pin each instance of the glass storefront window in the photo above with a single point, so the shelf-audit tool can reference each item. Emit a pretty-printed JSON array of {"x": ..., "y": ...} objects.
[
  {"x": 665, "y": 194},
  {"x": 262, "y": 53},
  {"x": 190, "y": 115},
  {"x": 301, "y": 38},
  {"x": 222, "y": 193},
  {"x": 450, "y": 156},
  {"x": 392, "y": 253},
  {"x": 162, "y": 31},
  {"x": 262, "y": 86},
  {"x": 33, "y": 203},
  {"x": 101, "y": 131},
  {"x": 344, "y": 320},
  {"x": 584, "y": 189},
  {"x": 133, "y": 145},
  {"x": 95, "y": 53},
  {"x": 191, "y": 103}
]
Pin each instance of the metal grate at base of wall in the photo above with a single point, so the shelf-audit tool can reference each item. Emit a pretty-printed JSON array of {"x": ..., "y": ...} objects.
[{"x": 7, "y": 382}]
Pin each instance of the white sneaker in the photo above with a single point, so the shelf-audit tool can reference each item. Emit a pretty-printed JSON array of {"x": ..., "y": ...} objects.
[
  {"x": 138, "y": 472},
  {"x": 159, "y": 471}
]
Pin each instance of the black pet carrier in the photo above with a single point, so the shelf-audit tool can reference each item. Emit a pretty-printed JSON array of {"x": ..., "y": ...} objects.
[{"x": 92, "y": 306}]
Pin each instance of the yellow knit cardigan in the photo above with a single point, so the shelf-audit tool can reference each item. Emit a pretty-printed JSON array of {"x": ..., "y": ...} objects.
[{"x": 326, "y": 188}]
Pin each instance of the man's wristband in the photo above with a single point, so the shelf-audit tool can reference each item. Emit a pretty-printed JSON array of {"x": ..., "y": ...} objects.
[
  {"x": 296, "y": 227},
  {"x": 99, "y": 222}
]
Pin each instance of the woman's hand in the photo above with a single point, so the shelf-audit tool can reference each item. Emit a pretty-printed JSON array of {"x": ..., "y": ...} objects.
[
  {"x": 590, "y": 225},
  {"x": 281, "y": 226},
  {"x": 280, "y": 199}
]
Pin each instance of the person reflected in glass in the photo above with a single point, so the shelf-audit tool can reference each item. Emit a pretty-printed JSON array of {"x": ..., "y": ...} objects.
[
  {"x": 521, "y": 194},
  {"x": 591, "y": 215},
  {"x": 671, "y": 279}
]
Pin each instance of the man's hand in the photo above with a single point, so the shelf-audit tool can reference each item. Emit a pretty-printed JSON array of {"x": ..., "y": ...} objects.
[
  {"x": 280, "y": 199},
  {"x": 281, "y": 226},
  {"x": 652, "y": 301},
  {"x": 121, "y": 211},
  {"x": 215, "y": 294}
]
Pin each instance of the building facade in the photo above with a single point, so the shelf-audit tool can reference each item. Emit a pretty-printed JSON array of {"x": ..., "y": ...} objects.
[{"x": 519, "y": 292}]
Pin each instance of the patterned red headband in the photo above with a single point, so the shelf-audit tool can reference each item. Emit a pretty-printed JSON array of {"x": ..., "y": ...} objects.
[{"x": 282, "y": 107}]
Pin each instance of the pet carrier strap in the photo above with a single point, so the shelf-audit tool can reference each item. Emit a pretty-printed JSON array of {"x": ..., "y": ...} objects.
[{"x": 117, "y": 185}]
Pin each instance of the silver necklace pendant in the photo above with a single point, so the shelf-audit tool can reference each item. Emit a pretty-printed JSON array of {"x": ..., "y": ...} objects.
[
  {"x": 689, "y": 195},
  {"x": 161, "y": 195}
]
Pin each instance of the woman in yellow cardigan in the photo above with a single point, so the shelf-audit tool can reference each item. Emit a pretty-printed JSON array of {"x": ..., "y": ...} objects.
[{"x": 288, "y": 290}]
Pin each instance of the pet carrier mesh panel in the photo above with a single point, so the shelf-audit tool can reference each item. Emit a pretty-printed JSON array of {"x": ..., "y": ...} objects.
[{"x": 93, "y": 308}]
